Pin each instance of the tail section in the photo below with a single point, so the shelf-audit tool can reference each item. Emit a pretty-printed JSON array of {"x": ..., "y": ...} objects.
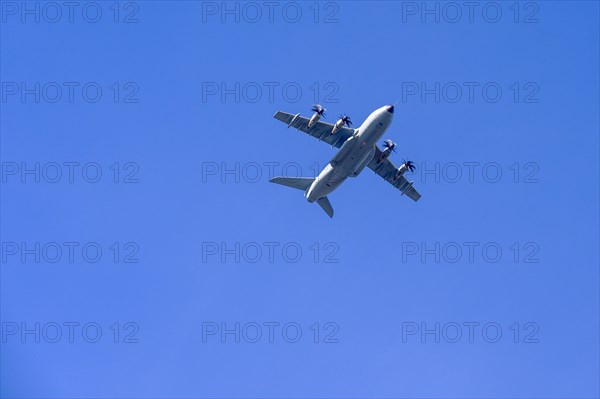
[
  {"x": 326, "y": 205},
  {"x": 303, "y": 183},
  {"x": 300, "y": 183}
]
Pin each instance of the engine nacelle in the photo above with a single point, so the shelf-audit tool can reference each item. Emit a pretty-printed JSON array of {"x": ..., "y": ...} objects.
[
  {"x": 338, "y": 125},
  {"x": 344, "y": 120},
  {"x": 384, "y": 155},
  {"x": 315, "y": 118},
  {"x": 388, "y": 147},
  {"x": 401, "y": 170}
]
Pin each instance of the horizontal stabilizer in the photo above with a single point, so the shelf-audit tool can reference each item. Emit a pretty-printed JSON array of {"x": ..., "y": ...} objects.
[
  {"x": 326, "y": 205},
  {"x": 301, "y": 183}
]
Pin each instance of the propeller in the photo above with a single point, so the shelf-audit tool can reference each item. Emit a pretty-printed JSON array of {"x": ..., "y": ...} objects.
[
  {"x": 346, "y": 120},
  {"x": 389, "y": 144},
  {"x": 318, "y": 108},
  {"x": 410, "y": 165}
]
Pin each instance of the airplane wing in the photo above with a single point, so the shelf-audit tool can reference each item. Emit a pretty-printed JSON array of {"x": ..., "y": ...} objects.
[
  {"x": 387, "y": 170},
  {"x": 320, "y": 130}
]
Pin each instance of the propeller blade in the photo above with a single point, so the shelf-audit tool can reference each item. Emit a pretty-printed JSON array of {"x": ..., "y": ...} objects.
[
  {"x": 409, "y": 165},
  {"x": 318, "y": 108}
]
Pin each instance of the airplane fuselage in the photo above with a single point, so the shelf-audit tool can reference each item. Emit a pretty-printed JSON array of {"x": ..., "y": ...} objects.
[{"x": 353, "y": 156}]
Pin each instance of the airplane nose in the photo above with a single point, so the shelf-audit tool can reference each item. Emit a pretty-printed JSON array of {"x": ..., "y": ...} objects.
[{"x": 390, "y": 109}]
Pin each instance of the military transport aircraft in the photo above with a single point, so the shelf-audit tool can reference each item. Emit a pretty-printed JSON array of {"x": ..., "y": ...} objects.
[{"x": 358, "y": 149}]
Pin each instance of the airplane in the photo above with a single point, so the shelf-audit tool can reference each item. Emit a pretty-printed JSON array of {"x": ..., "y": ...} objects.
[{"x": 358, "y": 149}]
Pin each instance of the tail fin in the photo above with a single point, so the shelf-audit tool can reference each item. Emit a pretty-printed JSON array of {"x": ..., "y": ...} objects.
[
  {"x": 301, "y": 183},
  {"x": 326, "y": 205}
]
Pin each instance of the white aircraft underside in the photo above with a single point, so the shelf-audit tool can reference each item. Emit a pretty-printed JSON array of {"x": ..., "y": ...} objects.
[{"x": 358, "y": 150}]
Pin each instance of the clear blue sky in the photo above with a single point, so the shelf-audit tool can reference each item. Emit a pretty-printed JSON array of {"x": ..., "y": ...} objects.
[{"x": 185, "y": 118}]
